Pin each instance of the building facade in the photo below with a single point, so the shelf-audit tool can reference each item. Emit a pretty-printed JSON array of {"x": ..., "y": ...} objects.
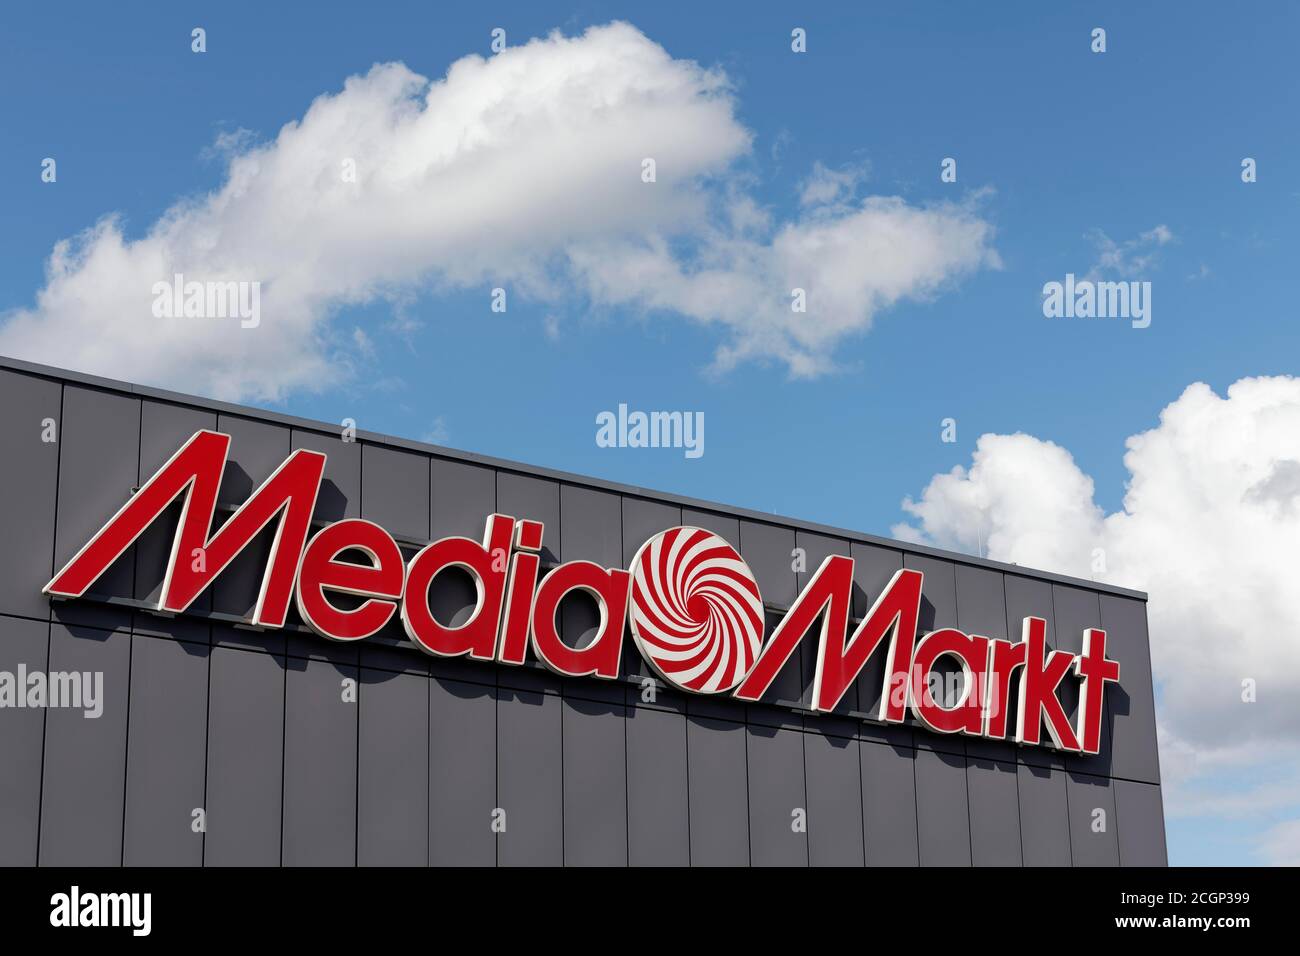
[{"x": 220, "y": 744}]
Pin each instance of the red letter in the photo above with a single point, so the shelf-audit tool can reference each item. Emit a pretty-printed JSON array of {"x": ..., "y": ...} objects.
[
  {"x": 895, "y": 613},
  {"x": 826, "y": 596},
  {"x": 519, "y": 608},
  {"x": 1043, "y": 673},
  {"x": 197, "y": 463},
  {"x": 1006, "y": 658},
  {"x": 487, "y": 562},
  {"x": 1097, "y": 671},
  {"x": 195, "y": 470},
  {"x": 967, "y": 715},
  {"x": 519, "y": 597},
  {"x": 321, "y": 572},
  {"x": 599, "y": 658}
]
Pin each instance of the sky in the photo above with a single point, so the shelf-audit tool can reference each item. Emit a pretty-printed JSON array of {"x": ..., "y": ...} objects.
[{"x": 522, "y": 169}]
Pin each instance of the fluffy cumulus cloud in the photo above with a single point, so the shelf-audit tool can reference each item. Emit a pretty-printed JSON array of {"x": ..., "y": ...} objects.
[
  {"x": 1210, "y": 527},
  {"x": 847, "y": 264},
  {"x": 522, "y": 170}
]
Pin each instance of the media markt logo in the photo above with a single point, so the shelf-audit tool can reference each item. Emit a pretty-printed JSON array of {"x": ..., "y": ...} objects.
[{"x": 693, "y": 605}]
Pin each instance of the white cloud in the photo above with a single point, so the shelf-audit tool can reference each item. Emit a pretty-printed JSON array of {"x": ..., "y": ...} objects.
[
  {"x": 851, "y": 264},
  {"x": 1210, "y": 528},
  {"x": 826, "y": 186},
  {"x": 521, "y": 169},
  {"x": 1131, "y": 258}
]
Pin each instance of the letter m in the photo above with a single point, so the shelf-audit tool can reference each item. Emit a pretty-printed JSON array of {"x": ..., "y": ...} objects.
[
  {"x": 826, "y": 597},
  {"x": 893, "y": 616},
  {"x": 194, "y": 472}
]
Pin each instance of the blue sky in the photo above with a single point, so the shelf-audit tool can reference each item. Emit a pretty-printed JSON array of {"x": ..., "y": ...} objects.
[{"x": 1055, "y": 145}]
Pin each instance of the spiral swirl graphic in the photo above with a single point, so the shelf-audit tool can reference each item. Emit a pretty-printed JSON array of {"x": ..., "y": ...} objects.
[{"x": 697, "y": 615}]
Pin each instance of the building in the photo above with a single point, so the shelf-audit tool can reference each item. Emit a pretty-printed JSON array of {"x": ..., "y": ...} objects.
[{"x": 223, "y": 744}]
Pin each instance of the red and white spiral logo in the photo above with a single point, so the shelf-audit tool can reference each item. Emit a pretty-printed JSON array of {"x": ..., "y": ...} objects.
[{"x": 697, "y": 615}]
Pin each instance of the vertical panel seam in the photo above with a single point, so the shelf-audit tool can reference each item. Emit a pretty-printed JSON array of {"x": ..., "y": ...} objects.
[
  {"x": 564, "y": 846},
  {"x": 49, "y": 627},
  {"x": 496, "y": 706},
  {"x": 686, "y": 732},
  {"x": 1020, "y": 832},
  {"x": 130, "y": 650},
  {"x": 207, "y": 752},
  {"x": 916, "y": 806},
  {"x": 807, "y": 839},
  {"x": 1119, "y": 843},
  {"x": 284, "y": 734},
  {"x": 627, "y": 716},
  {"x": 428, "y": 761},
  {"x": 126, "y": 741},
  {"x": 749, "y": 809},
  {"x": 356, "y": 790}
]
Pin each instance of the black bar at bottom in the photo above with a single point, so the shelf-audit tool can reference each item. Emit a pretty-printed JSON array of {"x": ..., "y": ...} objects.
[{"x": 934, "y": 907}]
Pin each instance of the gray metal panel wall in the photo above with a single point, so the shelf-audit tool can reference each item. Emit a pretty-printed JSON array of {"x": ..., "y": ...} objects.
[
  {"x": 393, "y": 770},
  {"x": 530, "y": 784},
  {"x": 27, "y": 507},
  {"x": 658, "y": 821},
  {"x": 1093, "y": 839},
  {"x": 83, "y": 782},
  {"x": 462, "y": 773},
  {"x": 719, "y": 800},
  {"x": 23, "y": 644},
  {"x": 1140, "y": 821},
  {"x": 1130, "y": 705},
  {"x": 166, "y": 752},
  {"x": 595, "y": 783},
  {"x": 1044, "y": 816},
  {"x": 889, "y": 804},
  {"x": 320, "y": 764},
  {"x": 834, "y": 791},
  {"x": 98, "y": 466},
  {"x": 463, "y": 495},
  {"x": 778, "y": 802},
  {"x": 245, "y": 758},
  {"x": 994, "y": 812},
  {"x": 942, "y": 814},
  {"x": 252, "y": 727}
]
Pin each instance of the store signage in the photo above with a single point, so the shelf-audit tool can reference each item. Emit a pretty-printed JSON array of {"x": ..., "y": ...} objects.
[{"x": 691, "y": 602}]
